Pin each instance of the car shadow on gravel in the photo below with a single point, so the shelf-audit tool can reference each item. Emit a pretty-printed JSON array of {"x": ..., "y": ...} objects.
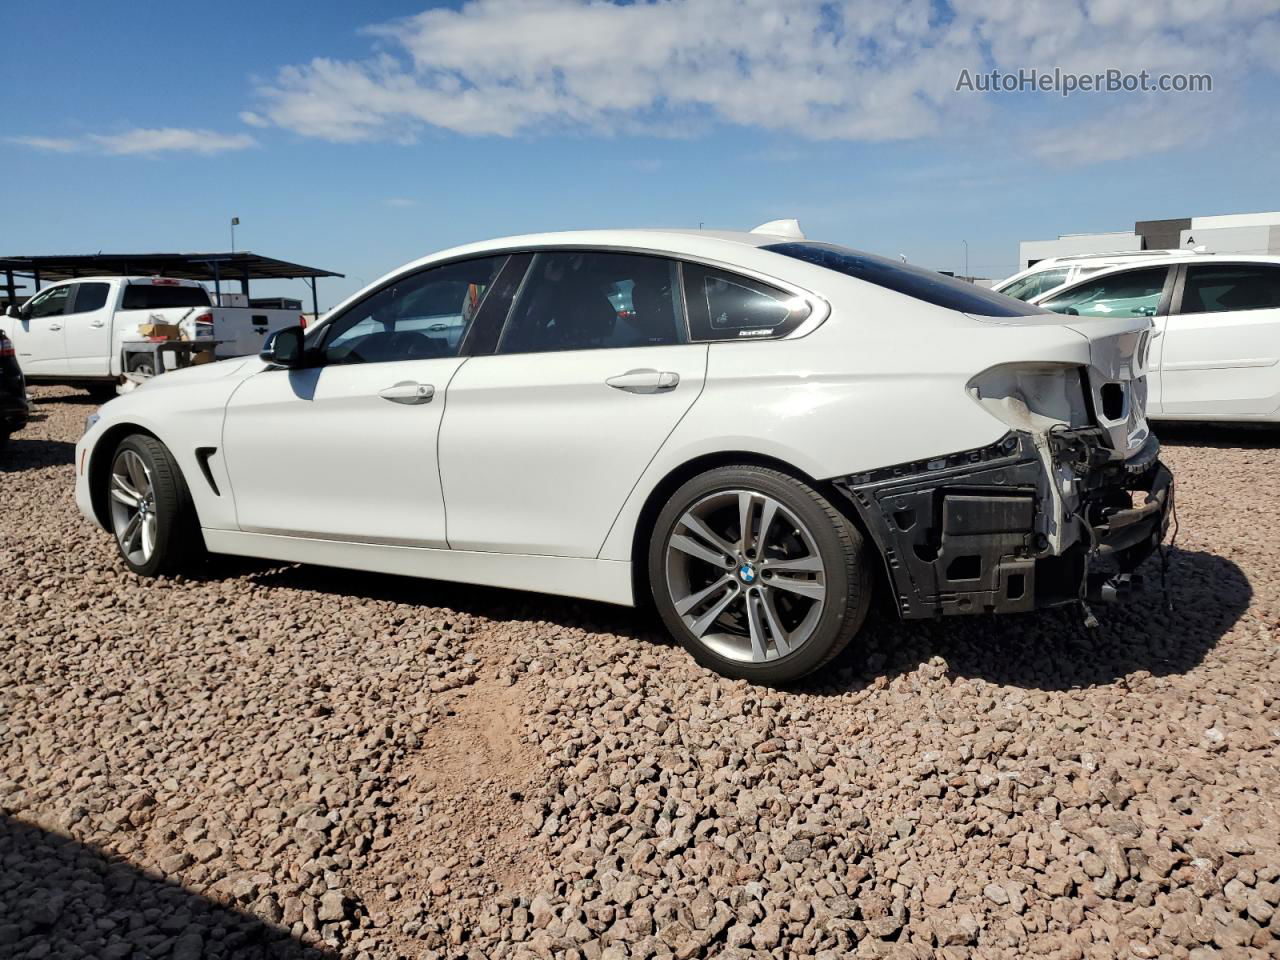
[
  {"x": 59, "y": 897},
  {"x": 21, "y": 454},
  {"x": 1052, "y": 649},
  {"x": 1048, "y": 650},
  {"x": 1240, "y": 436}
]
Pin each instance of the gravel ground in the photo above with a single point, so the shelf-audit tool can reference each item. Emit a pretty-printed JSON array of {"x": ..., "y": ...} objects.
[{"x": 269, "y": 761}]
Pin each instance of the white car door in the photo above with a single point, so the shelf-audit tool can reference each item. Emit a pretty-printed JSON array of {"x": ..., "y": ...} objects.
[
  {"x": 37, "y": 333},
  {"x": 1219, "y": 352},
  {"x": 1136, "y": 292},
  {"x": 345, "y": 449},
  {"x": 86, "y": 329},
  {"x": 543, "y": 440}
]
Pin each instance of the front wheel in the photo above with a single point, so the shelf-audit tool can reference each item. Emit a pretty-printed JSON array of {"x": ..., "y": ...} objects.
[
  {"x": 758, "y": 574},
  {"x": 151, "y": 512}
]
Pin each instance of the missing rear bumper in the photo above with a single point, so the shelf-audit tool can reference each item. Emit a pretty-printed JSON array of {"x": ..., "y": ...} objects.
[{"x": 1015, "y": 526}]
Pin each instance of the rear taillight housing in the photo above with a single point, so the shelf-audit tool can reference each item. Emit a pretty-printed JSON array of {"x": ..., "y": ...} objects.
[
  {"x": 302, "y": 320},
  {"x": 6, "y": 346}
]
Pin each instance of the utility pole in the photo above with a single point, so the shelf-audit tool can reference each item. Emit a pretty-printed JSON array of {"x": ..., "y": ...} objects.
[
  {"x": 966, "y": 258},
  {"x": 235, "y": 222}
]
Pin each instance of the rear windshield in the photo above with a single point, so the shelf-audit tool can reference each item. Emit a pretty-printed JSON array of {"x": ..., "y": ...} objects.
[
  {"x": 904, "y": 278},
  {"x": 145, "y": 296}
]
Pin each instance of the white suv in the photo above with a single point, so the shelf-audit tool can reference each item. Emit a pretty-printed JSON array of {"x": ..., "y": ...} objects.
[
  {"x": 1215, "y": 341},
  {"x": 748, "y": 430}
]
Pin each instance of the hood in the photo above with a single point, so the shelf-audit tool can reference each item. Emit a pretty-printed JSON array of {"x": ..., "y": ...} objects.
[{"x": 202, "y": 373}]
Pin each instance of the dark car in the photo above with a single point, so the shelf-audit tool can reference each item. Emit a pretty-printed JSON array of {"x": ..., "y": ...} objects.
[{"x": 13, "y": 392}]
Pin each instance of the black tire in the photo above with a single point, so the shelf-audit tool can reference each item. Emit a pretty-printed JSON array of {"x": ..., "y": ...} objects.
[
  {"x": 144, "y": 366},
  {"x": 4, "y": 439},
  {"x": 179, "y": 544},
  {"x": 846, "y": 571}
]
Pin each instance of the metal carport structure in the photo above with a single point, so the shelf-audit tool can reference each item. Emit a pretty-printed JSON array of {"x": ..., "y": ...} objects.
[{"x": 240, "y": 266}]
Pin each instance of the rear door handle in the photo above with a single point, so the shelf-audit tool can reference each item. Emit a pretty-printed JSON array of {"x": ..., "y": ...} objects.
[
  {"x": 645, "y": 381},
  {"x": 55, "y": 326},
  {"x": 408, "y": 391},
  {"x": 96, "y": 323}
]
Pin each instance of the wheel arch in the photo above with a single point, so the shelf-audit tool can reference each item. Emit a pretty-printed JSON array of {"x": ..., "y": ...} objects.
[
  {"x": 100, "y": 464},
  {"x": 642, "y": 532}
]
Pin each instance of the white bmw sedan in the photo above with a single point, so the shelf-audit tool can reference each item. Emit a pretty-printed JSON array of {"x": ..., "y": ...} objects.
[{"x": 750, "y": 431}]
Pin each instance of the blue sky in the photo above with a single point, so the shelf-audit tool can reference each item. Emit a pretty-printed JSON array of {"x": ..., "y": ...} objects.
[{"x": 358, "y": 136}]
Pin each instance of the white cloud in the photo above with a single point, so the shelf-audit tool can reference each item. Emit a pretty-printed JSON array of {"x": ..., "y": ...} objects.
[
  {"x": 170, "y": 139},
  {"x": 400, "y": 202},
  {"x": 851, "y": 69},
  {"x": 55, "y": 144},
  {"x": 143, "y": 141}
]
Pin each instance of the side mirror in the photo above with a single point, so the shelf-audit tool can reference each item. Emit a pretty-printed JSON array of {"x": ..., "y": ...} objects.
[
  {"x": 13, "y": 310},
  {"x": 284, "y": 348}
]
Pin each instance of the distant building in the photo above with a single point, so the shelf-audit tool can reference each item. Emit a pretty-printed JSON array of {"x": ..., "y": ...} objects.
[{"x": 1232, "y": 233}]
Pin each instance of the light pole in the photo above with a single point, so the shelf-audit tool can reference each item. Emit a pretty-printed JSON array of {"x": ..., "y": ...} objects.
[
  {"x": 966, "y": 258},
  {"x": 235, "y": 222}
]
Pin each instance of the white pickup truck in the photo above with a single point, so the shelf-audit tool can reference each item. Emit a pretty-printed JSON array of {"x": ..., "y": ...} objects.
[{"x": 74, "y": 332}]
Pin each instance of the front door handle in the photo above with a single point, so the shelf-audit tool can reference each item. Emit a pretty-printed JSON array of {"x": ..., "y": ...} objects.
[
  {"x": 408, "y": 391},
  {"x": 645, "y": 381},
  {"x": 55, "y": 326},
  {"x": 97, "y": 323}
]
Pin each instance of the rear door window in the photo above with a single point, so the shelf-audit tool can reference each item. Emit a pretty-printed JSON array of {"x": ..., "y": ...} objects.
[
  {"x": 593, "y": 300},
  {"x": 90, "y": 297},
  {"x": 1216, "y": 288},
  {"x": 1130, "y": 293}
]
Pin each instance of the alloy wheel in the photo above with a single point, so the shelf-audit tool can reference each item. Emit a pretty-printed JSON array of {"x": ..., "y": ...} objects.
[
  {"x": 745, "y": 576},
  {"x": 133, "y": 507}
]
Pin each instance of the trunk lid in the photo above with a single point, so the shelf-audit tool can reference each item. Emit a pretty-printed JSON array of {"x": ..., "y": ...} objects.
[{"x": 1117, "y": 371}]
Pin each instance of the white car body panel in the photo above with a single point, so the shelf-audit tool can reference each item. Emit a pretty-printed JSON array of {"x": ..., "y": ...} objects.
[
  {"x": 1222, "y": 365},
  {"x": 1217, "y": 365},
  {"x": 303, "y": 445},
  {"x": 530, "y": 471},
  {"x": 538, "y": 452}
]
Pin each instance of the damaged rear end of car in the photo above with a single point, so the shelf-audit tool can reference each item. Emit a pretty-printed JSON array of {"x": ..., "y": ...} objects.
[{"x": 1062, "y": 509}]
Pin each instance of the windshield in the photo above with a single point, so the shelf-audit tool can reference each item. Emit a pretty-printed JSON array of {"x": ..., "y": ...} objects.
[
  {"x": 1034, "y": 284},
  {"x": 904, "y": 278}
]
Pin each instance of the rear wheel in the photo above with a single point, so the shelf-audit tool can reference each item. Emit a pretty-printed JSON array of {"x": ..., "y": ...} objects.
[
  {"x": 757, "y": 574},
  {"x": 143, "y": 366},
  {"x": 152, "y": 516}
]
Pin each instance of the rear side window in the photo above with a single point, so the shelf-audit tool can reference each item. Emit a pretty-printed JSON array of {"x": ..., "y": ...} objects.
[
  {"x": 1037, "y": 283},
  {"x": 146, "y": 296},
  {"x": 1131, "y": 293},
  {"x": 726, "y": 306},
  {"x": 90, "y": 296},
  {"x": 915, "y": 282},
  {"x": 1241, "y": 286}
]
